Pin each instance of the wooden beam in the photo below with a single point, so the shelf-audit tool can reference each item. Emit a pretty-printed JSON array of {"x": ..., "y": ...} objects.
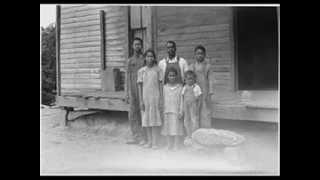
[
  {"x": 93, "y": 103},
  {"x": 102, "y": 41},
  {"x": 232, "y": 47},
  {"x": 235, "y": 47},
  {"x": 58, "y": 76}
]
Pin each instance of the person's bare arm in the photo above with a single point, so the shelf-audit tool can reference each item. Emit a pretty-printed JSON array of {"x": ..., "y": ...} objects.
[
  {"x": 161, "y": 95},
  {"x": 140, "y": 89},
  {"x": 181, "y": 107},
  {"x": 210, "y": 80},
  {"x": 198, "y": 102}
]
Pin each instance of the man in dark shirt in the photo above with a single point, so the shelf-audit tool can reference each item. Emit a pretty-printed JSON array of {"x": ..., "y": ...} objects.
[{"x": 135, "y": 62}]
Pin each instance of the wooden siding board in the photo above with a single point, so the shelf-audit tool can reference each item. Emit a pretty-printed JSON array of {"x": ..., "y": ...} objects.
[
  {"x": 80, "y": 54},
  {"x": 80, "y": 65},
  {"x": 79, "y": 30},
  {"x": 80, "y": 34},
  {"x": 116, "y": 38},
  {"x": 165, "y": 11},
  {"x": 118, "y": 63},
  {"x": 84, "y": 70},
  {"x": 80, "y": 60},
  {"x": 118, "y": 25},
  {"x": 80, "y": 40},
  {"x": 81, "y": 76},
  {"x": 80, "y": 45},
  {"x": 81, "y": 81},
  {"x": 91, "y": 17},
  {"x": 81, "y": 24},
  {"x": 80, "y": 50},
  {"x": 197, "y": 35},
  {"x": 193, "y": 29},
  {"x": 116, "y": 31},
  {"x": 90, "y": 12},
  {"x": 81, "y": 86},
  {"x": 176, "y": 22},
  {"x": 114, "y": 19},
  {"x": 90, "y": 7}
]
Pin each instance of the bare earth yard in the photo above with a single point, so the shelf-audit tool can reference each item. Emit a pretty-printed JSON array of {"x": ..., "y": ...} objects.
[{"x": 95, "y": 144}]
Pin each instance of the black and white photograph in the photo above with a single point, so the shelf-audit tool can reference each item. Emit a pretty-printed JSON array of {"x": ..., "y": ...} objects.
[{"x": 160, "y": 89}]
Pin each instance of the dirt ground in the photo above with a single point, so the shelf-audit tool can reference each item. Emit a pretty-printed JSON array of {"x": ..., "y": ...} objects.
[{"x": 95, "y": 144}]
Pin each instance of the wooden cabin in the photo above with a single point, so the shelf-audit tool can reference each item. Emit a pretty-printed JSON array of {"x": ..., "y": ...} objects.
[{"x": 94, "y": 43}]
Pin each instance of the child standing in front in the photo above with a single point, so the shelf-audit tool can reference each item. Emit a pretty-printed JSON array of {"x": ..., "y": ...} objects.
[
  {"x": 173, "y": 124},
  {"x": 191, "y": 98},
  {"x": 150, "y": 94}
]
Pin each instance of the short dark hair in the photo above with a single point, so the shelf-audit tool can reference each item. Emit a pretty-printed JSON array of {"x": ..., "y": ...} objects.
[
  {"x": 138, "y": 39},
  {"x": 172, "y": 42},
  {"x": 172, "y": 69},
  {"x": 200, "y": 47},
  {"x": 190, "y": 73},
  {"x": 153, "y": 53}
]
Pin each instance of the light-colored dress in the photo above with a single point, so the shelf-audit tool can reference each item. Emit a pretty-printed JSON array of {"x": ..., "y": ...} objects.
[
  {"x": 190, "y": 110},
  {"x": 204, "y": 71},
  {"x": 172, "y": 125},
  {"x": 150, "y": 79}
]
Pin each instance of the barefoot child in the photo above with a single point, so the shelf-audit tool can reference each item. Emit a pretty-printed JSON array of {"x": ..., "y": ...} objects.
[
  {"x": 150, "y": 94},
  {"x": 191, "y": 98},
  {"x": 173, "y": 124}
]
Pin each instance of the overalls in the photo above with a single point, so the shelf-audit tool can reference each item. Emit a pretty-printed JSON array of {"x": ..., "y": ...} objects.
[
  {"x": 177, "y": 67},
  {"x": 134, "y": 115},
  {"x": 202, "y": 73},
  {"x": 191, "y": 121}
]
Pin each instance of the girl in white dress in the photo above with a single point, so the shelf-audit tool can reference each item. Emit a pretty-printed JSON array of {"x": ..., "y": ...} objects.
[{"x": 173, "y": 123}]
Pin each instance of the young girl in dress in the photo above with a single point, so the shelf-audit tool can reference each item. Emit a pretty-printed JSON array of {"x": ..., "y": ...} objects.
[
  {"x": 173, "y": 123},
  {"x": 191, "y": 98},
  {"x": 150, "y": 94}
]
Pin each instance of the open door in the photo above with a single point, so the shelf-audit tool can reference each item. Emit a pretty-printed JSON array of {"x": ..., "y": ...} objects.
[{"x": 257, "y": 48}]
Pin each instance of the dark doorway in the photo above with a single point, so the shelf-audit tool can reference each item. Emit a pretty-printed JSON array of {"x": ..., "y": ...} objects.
[{"x": 256, "y": 37}]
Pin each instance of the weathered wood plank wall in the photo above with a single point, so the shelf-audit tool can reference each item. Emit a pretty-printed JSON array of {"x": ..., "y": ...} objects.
[
  {"x": 192, "y": 26},
  {"x": 211, "y": 27},
  {"x": 116, "y": 23},
  {"x": 80, "y": 44}
]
